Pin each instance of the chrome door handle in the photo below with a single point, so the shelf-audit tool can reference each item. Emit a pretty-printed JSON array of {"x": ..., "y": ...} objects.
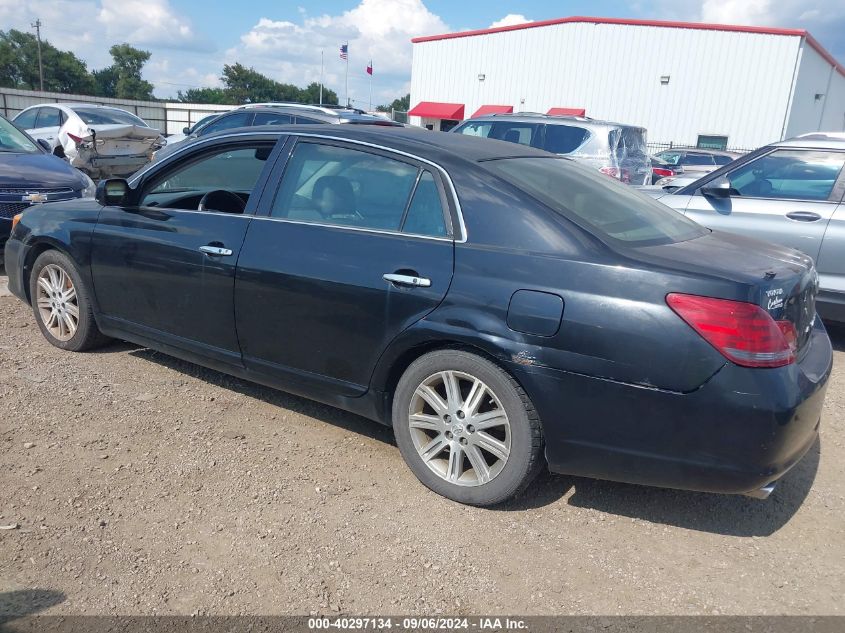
[
  {"x": 216, "y": 250},
  {"x": 804, "y": 216},
  {"x": 407, "y": 280}
]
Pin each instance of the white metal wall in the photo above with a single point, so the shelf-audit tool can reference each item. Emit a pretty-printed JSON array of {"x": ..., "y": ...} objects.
[
  {"x": 728, "y": 83},
  {"x": 168, "y": 116},
  {"x": 818, "y": 102}
]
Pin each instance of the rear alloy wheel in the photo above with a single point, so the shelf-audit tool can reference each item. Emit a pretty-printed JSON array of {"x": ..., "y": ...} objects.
[
  {"x": 61, "y": 303},
  {"x": 466, "y": 428}
]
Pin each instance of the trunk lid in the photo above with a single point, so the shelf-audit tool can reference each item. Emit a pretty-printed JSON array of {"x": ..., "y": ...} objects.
[{"x": 781, "y": 280}]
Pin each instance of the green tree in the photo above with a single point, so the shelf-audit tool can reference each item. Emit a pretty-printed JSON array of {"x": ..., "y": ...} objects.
[
  {"x": 204, "y": 95},
  {"x": 128, "y": 64},
  {"x": 402, "y": 104},
  {"x": 63, "y": 71},
  {"x": 311, "y": 94},
  {"x": 244, "y": 84},
  {"x": 105, "y": 82}
]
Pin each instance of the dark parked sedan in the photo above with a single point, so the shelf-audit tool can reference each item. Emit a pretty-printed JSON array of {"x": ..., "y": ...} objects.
[
  {"x": 496, "y": 304},
  {"x": 30, "y": 174}
]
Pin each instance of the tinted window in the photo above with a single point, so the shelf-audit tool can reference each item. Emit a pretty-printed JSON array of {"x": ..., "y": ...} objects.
[
  {"x": 306, "y": 121},
  {"x": 49, "y": 117},
  {"x": 793, "y": 174},
  {"x": 107, "y": 116},
  {"x": 271, "y": 118},
  {"x": 425, "y": 214},
  {"x": 26, "y": 120},
  {"x": 227, "y": 122},
  {"x": 672, "y": 158},
  {"x": 232, "y": 169},
  {"x": 13, "y": 140},
  {"x": 697, "y": 159},
  {"x": 600, "y": 204},
  {"x": 722, "y": 160},
  {"x": 563, "y": 139},
  {"x": 511, "y": 131},
  {"x": 346, "y": 187}
]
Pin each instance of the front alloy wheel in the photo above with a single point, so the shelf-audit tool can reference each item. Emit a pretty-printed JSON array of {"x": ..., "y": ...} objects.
[{"x": 57, "y": 302}]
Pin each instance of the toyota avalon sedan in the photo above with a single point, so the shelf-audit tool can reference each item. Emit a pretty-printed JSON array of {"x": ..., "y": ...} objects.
[{"x": 501, "y": 307}]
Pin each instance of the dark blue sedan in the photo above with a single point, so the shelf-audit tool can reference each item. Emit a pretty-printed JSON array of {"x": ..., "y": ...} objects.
[
  {"x": 29, "y": 174},
  {"x": 501, "y": 307}
]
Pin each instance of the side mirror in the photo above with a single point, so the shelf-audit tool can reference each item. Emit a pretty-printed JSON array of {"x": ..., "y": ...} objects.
[
  {"x": 112, "y": 192},
  {"x": 186, "y": 130},
  {"x": 44, "y": 145},
  {"x": 719, "y": 189}
]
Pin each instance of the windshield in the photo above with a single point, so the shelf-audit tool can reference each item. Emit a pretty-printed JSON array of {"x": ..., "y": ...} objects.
[
  {"x": 601, "y": 205},
  {"x": 107, "y": 116},
  {"x": 13, "y": 140}
]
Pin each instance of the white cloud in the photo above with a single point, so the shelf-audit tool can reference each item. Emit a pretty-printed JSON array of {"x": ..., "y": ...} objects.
[
  {"x": 148, "y": 22},
  {"x": 380, "y": 30},
  {"x": 509, "y": 20}
]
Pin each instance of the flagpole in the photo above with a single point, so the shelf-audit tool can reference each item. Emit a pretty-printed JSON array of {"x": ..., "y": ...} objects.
[
  {"x": 321, "y": 76},
  {"x": 371, "y": 87},
  {"x": 347, "y": 73}
]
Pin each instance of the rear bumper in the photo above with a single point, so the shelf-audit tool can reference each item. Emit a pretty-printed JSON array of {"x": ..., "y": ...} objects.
[{"x": 737, "y": 433}]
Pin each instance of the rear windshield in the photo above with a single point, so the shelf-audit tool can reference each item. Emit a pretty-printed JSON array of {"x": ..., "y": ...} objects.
[
  {"x": 107, "y": 116},
  {"x": 601, "y": 205}
]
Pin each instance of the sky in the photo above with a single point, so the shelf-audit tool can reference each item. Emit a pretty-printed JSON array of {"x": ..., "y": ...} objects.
[{"x": 191, "y": 40}]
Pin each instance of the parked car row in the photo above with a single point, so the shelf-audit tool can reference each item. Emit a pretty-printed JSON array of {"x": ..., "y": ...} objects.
[{"x": 501, "y": 307}]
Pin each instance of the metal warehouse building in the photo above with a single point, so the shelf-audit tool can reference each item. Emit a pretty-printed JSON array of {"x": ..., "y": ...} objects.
[{"x": 708, "y": 85}]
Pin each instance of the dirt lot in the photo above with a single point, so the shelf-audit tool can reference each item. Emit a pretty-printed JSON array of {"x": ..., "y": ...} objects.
[{"x": 143, "y": 484}]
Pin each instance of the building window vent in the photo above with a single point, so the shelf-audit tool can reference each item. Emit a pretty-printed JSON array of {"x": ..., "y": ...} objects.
[
  {"x": 709, "y": 141},
  {"x": 664, "y": 79}
]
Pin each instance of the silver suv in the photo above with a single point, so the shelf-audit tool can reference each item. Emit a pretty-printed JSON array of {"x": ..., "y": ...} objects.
[
  {"x": 790, "y": 193},
  {"x": 613, "y": 148}
]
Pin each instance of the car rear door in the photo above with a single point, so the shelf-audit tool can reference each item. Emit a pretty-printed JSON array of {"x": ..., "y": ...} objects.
[
  {"x": 786, "y": 196},
  {"x": 165, "y": 270},
  {"x": 47, "y": 124},
  {"x": 355, "y": 246}
]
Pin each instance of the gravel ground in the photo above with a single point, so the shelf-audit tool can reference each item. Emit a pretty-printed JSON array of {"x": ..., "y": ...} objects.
[{"x": 145, "y": 485}]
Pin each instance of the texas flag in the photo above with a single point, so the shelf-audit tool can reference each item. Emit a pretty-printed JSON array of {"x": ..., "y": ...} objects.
[{"x": 370, "y": 68}]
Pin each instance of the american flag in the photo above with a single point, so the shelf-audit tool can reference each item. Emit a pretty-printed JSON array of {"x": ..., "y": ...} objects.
[{"x": 344, "y": 51}]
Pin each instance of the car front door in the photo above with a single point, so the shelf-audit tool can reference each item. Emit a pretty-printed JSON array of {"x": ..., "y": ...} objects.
[
  {"x": 355, "y": 246},
  {"x": 161, "y": 267},
  {"x": 786, "y": 196}
]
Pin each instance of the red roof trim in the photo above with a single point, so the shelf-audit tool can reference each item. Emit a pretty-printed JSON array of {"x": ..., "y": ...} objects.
[
  {"x": 437, "y": 110},
  {"x": 492, "y": 109},
  {"x": 567, "y": 111},
  {"x": 765, "y": 30}
]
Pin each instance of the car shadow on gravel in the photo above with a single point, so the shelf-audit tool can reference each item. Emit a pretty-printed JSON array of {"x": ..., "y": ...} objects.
[
  {"x": 836, "y": 332},
  {"x": 16, "y": 604},
  {"x": 295, "y": 404},
  {"x": 730, "y": 515}
]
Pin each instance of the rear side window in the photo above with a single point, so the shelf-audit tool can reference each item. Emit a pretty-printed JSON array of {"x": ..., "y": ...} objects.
[
  {"x": 327, "y": 184},
  {"x": 26, "y": 120},
  {"x": 722, "y": 160},
  {"x": 271, "y": 118},
  {"x": 564, "y": 139},
  {"x": 697, "y": 159},
  {"x": 510, "y": 131},
  {"x": 601, "y": 205}
]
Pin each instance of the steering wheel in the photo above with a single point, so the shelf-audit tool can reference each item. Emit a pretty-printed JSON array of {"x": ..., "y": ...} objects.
[{"x": 222, "y": 200}]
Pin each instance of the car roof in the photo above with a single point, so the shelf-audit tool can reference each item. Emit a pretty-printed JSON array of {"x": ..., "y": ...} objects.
[
  {"x": 554, "y": 119},
  {"x": 429, "y": 145},
  {"x": 815, "y": 140}
]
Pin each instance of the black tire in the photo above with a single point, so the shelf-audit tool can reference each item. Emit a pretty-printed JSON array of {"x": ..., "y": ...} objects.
[
  {"x": 87, "y": 335},
  {"x": 526, "y": 440}
]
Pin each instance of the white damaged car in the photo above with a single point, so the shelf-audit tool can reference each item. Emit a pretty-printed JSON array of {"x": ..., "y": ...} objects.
[{"x": 99, "y": 140}]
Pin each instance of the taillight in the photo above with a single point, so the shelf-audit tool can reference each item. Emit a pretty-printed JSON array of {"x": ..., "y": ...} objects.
[
  {"x": 742, "y": 332},
  {"x": 664, "y": 173},
  {"x": 610, "y": 171},
  {"x": 76, "y": 139}
]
